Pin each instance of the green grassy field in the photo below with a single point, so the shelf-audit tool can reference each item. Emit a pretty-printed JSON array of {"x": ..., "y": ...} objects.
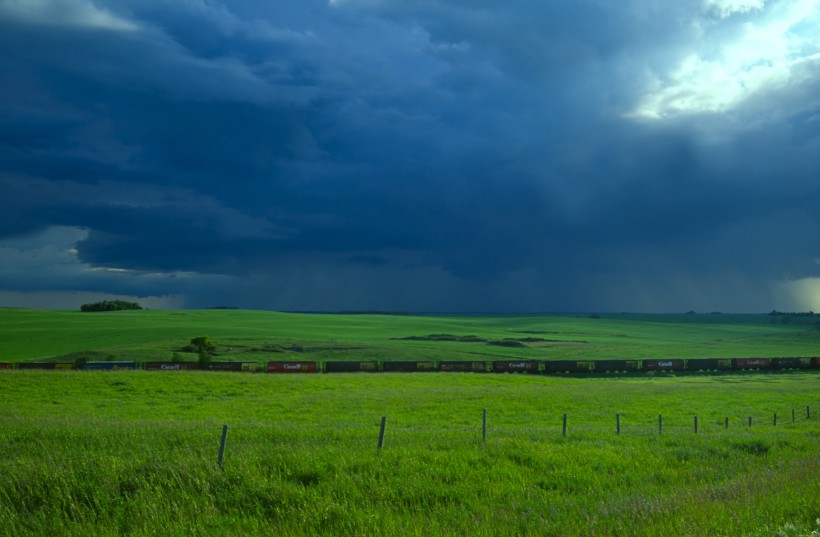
[
  {"x": 135, "y": 452},
  {"x": 31, "y": 335}
]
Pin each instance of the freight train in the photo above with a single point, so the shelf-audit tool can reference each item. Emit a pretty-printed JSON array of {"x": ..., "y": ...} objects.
[{"x": 545, "y": 367}]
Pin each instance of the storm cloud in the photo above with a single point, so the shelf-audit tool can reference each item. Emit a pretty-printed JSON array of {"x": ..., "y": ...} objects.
[{"x": 445, "y": 155}]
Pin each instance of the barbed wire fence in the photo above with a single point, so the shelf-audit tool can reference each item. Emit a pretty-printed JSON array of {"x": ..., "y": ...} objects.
[{"x": 60, "y": 444}]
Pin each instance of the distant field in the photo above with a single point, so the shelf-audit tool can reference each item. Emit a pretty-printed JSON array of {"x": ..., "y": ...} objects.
[
  {"x": 30, "y": 335},
  {"x": 134, "y": 453}
]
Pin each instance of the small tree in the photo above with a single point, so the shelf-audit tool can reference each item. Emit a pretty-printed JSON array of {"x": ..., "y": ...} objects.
[
  {"x": 203, "y": 346},
  {"x": 202, "y": 343}
]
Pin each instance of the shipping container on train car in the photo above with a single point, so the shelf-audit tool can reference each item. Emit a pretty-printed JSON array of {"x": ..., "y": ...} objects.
[
  {"x": 45, "y": 365},
  {"x": 293, "y": 367},
  {"x": 4, "y": 365},
  {"x": 171, "y": 366},
  {"x": 248, "y": 367},
  {"x": 462, "y": 366},
  {"x": 108, "y": 366},
  {"x": 611, "y": 366},
  {"x": 791, "y": 363},
  {"x": 401, "y": 366},
  {"x": 517, "y": 366},
  {"x": 673, "y": 364},
  {"x": 708, "y": 364},
  {"x": 351, "y": 367},
  {"x": 568, "y": 366},
  {"x": 751, "y": 363}
]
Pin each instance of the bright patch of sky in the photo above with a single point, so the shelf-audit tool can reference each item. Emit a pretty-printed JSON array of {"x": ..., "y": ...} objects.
[
  {"x": 64, "y": 12},
  {"x": 802, "y": 295},
  {"x": 726, "y": 8},
  {"x": 751, "y": 48}
]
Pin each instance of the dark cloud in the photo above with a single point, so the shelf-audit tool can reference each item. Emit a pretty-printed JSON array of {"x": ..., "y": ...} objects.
[{"x": 445, "y": 155}]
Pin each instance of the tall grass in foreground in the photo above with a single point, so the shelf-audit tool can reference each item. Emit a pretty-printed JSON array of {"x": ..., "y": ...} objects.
[{"x": 135, "y": 454}]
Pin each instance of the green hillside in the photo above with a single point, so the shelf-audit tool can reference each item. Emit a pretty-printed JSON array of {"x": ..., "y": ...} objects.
[{"x": 29, "y": 335}]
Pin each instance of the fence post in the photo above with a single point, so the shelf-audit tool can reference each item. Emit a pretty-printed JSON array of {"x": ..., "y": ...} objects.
[
  {"x": 808, "y": 414},
  {"x": 381, "y": 431},
  {"x": 774, "y": 419},
  {"x": 222, "y": 443},
  {"x": 660, "y": 424},
  {"x": 727, "y": 422},
  {"x": 750, "y": 421},
  {"x": 696, "y": 425},
  {"x": 484, "y": 426},
  {"x": 564, "y": 428},
  {"x": 617, "y": 424},
  {"x": 792, "y": 415}
]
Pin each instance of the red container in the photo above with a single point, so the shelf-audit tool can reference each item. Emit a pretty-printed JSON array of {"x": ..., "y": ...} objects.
[
  {"x": 171, "y": 366},
  {"x": 674, "y": 364},
  {"x": 751, "y": 363},
  {"x": 5, "y": 366},
  {"x": 292, "y": 367}
]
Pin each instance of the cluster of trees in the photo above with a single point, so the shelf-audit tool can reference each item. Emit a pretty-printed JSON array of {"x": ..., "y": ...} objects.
[{"x": 110, "y": 305}]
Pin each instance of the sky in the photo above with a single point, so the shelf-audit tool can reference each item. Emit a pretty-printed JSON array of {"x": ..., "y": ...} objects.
[{"x": 411, "y": 155}]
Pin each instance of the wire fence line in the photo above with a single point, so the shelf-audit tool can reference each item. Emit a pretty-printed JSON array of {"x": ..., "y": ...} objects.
[{"x": 62, "y": 443}]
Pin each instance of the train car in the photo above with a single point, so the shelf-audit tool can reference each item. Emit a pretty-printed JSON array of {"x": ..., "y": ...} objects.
[
  {"x": 407, "y": 366},
  {"x": 108, "y": 366},
  {"x": 171, "y": 366},
  {"x": 673, "y": 364},
  {"x": 45, "y": 365},
  {"x": 791, "y": 363},
  {"x": 611, "y": 366},
  {"x": 568, "y": 366},
  {"x": 708, "y": 364},
  {"x": 751, "y": 363},
  {"x": 5, "y": 365},
  {"x": 462, "y": 366},
  {"x": 518, "y": 366},
  {"x": 815, "y": 362},
  {"x": 293, "y": 367},
  {"x": 248, "y": 367},
  {"x": 352, "y": 367}
]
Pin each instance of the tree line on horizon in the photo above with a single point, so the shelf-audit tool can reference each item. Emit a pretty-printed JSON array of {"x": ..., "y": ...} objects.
[{"x": 111, "y": 305}]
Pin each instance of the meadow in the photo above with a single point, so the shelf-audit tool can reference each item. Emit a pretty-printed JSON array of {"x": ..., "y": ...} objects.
[
  {"x": 31, "y": 335},
  {"x": 135, "y": 452}
]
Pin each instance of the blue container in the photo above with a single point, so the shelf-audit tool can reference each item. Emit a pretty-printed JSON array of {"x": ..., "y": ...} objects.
[{"x": 107, "y": 366}]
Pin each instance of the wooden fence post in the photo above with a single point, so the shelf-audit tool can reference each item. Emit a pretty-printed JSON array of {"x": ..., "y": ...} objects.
[
  {"x": 696, "y": 425},
  {"x": 792, "y": 415},
  {"x": 484, "y": 426},
  {"x": 381, "y": 431},
  {"x": 660, "y": 424},
  {"x": 750, "y": 421},
  {"x": 617, "y": 424},
  {"x": 774, "y": 419},
  {"x": 727, "y": 422},
  {"x": 222, "y": 443}
]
